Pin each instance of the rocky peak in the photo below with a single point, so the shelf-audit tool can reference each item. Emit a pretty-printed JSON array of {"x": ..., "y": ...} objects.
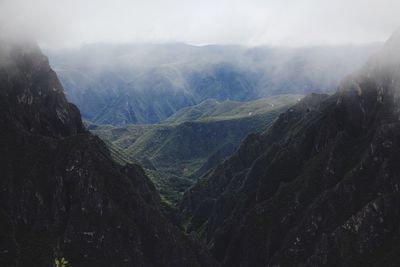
[
  {"x": 372, "y": 95},
  {"x": 31, "y": 94}
]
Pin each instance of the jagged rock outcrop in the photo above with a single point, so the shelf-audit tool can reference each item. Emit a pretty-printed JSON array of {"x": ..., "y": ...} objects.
[
  {"x": 61, "y": 195},
  {"x": 319, "y": 188}
]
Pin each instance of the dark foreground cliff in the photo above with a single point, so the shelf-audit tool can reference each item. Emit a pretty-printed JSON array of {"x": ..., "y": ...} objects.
[
  {"x": 61, "y": 195},
  {"x": 319, "y": 188}
]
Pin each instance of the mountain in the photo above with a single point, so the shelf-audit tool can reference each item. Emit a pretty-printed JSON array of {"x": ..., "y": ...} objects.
[
  {"x": 62, "y": 196},
  {"x": 320, "y": 187},
  {"x": 145, "y": 84},
  {"x": 192, "y": 141}
]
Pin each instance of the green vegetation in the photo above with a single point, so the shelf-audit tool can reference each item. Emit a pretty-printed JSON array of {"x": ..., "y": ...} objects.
[
  {"x": 214, "y": 110},
  {"x": 192, "y": 141},
  {"x": 61, "y": 262}
]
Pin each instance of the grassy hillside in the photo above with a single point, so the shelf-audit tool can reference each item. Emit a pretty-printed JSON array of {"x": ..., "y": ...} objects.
[
  {"x": 212, "y": 109},
  {"x": 191, "y": 142}
]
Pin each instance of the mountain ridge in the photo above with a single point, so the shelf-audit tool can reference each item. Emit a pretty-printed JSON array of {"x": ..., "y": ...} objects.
[
  {"x": 62, "y": 196},
  {"x": 337, "y": 204}
]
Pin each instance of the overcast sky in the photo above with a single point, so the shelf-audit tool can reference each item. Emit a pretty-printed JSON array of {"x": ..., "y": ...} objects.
[{"x": 248, "y": 22}]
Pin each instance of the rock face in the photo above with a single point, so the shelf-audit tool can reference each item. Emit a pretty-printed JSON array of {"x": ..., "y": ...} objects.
[
  {"x": 319, "y": 188},
  {"x": 61, "y": 195}
]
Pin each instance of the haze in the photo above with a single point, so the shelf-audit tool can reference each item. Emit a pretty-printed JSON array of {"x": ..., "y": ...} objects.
[{"x": 251, "y": 22}]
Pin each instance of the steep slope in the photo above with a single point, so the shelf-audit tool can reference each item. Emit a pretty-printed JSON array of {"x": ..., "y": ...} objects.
[
  {"x": 61, "y": 195},
  {"x": 140, "y": 84},
  {"x": 319, "y": 188},
  {"x": 191, "y": 142}
]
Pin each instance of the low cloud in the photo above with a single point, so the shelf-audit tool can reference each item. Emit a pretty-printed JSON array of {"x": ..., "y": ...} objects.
[{"x": 247, "y": 22}]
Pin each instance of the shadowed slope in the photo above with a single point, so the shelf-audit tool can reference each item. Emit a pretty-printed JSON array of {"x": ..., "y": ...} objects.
[
  {"x": 61, "y": 195},
  {"x": 319, "y": 188}
]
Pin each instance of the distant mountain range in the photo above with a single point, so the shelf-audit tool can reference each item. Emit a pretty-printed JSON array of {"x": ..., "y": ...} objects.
[{"x": 141, "y": 84}]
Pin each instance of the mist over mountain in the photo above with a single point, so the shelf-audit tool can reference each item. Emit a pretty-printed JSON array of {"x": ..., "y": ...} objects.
[
  {"x": 319, "y": 187},
  {"x": 228, "y": 133},
  {"x": 136, "y": 84}
]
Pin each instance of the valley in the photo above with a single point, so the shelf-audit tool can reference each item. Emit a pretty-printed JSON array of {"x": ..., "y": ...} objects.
[
  {"x": 199, "y": 133},
  {"x": 179, "y": 150},
  {"x": 179, "y": 110}
]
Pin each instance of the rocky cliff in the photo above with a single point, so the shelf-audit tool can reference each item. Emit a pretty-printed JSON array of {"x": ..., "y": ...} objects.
[
  {"x": 61, "y": 195},
  {"x": 319, "y": 188}
]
